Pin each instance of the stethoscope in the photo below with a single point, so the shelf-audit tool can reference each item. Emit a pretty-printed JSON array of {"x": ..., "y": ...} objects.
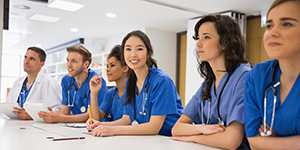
[
  {"x": 82, "y": 109},
  {"x": 144, "y": 102},
  {"x": 22, "y": 92},
  {"x": 267, "y": 133},
  {"x": 110, "y": 116},
  {"x": 219, "y": 98}
]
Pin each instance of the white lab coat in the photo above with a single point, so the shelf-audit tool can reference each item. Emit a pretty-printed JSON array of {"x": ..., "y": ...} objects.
[{"x": 44, "y": 90}]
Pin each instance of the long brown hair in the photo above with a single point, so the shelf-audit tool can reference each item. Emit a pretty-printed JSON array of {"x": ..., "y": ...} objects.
[{"x": 233, "y": 42}]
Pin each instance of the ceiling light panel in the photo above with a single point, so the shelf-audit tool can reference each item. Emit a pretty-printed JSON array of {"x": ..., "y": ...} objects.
[
  {"x": 44, "y": 18},
  {"x": 65, "y": 5},
  {"x": 111, "y": 15},
  {"x": 74, "y": 29}
]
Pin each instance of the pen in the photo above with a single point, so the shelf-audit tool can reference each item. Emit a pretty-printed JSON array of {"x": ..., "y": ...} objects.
[
  {"x": 68, "y": 138},
  {"x": 90, "y": 115}
]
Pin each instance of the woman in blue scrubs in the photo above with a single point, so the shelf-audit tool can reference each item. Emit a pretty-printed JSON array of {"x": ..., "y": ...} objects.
[
  {"x": 111, "y": 107},
  {"x": 215, "y": 114},
  {"x": 272, "y": 104},
  {"x": 152, "y": 105}
]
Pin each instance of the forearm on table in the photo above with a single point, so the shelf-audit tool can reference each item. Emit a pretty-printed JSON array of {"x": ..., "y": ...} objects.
[
  {"x": 231, "y": 138},
  {"x": 184, "y": 126},
  {"x": 151, "y": 128},
  {"x": 181, "y": 128},
  {"x": 290, "y": 142},
  {"x": 74, "y": 118},
  {"x": 125, "y": 120},
  {"x": 65, "y": 110}
]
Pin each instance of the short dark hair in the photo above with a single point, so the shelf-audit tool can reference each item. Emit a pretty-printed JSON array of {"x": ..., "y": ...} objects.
[
  {"x": 41, "y": 52},
  {"x": 233, "y": 42},
  {"x": 86, "y": 54}
]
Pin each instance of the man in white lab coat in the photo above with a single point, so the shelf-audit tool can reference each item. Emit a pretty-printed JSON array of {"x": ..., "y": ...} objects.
[{"x": 35, "y": 87}]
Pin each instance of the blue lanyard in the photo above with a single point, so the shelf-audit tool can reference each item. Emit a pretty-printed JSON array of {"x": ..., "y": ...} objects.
[{"x": 24, "y": 93}]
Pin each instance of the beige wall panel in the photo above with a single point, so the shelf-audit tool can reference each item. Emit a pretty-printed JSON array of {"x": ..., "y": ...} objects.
[
  {"x": 182, "y": 69},
  {"x": 253, "y": 47}
]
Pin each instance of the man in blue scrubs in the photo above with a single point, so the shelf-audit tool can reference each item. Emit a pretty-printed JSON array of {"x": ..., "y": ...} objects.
[{"x": 75, "y": 88}]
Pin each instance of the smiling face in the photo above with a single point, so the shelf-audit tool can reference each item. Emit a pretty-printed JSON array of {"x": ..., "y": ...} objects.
[
  {"x": 32, "y": 62},
  {"x": 208, "y": 48},
  {"x": 114, "y": 69},
  {"x": 75, "y": 64},
  {"x": 135, "y": 53},
  {"x": 281, "y": 39}
]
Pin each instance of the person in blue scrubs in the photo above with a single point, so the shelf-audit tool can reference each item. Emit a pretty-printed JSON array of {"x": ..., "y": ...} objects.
[
  {"x": 111, "y": 108},
  {"x": 215, "y": 114},
  {"x": 75, "y": 88},
  {"x": 274, "y": 85},
  {"x": 152, "y": 104}
]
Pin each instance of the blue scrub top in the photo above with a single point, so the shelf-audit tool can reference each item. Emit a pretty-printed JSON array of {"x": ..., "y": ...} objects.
[
  {"x": 116, "y": 108},
  {"x": 24, "y": 92},
  {"x": 231, "y": 101},
  {"x": 287, "y": 115},
  {"x": 81, "y": 98},
  {"x": 162, "y": 99}
]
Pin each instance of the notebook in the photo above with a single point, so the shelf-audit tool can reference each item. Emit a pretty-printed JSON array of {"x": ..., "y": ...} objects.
[{"x": 74, "y": 125}]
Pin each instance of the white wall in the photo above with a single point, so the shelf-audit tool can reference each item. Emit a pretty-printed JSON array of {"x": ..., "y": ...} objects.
[
  {"x": 193, "y": 79},
  {"x": 163, "y": 43},
  {"x": 164, "y": 50}
]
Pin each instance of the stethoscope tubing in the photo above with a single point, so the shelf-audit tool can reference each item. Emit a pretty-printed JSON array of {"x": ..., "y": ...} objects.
[
  {"x": 110, "y": 116},
  {"x": 144, "y": 99},
  {"x": 76, "y": 89},
  {"x": 218, "y": 105},
  {"x": 267, "y": 133}
]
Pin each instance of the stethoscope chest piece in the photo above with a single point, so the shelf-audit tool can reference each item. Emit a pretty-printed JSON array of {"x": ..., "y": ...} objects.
[
  {"x": 82, "y": 109},
  {"x": 266, "y": 134},
  {"x": 109, "y": 116},
  {"x": 134, "y": 122}
]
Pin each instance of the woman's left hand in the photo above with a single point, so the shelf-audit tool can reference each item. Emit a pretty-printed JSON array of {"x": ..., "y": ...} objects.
[
  {"x": 261, "y": 129},
  {"x": 102, "y": 130}
]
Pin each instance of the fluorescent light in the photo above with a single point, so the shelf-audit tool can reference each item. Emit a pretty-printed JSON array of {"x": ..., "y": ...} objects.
[
  {"x": 65, "y": 5},
  {"x": 44, "y": 18},
  {"x": 63, "y": 46},
  {"x": 111, "y": 15},
  {"x": 74, "y": 30}
]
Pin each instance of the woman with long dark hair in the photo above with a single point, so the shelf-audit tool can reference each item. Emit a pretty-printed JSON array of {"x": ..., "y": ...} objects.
[
  {"x": 152, "y": 105},
  {"x": 272, "y": 103},
  {"x": 217, "y": 109}
]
